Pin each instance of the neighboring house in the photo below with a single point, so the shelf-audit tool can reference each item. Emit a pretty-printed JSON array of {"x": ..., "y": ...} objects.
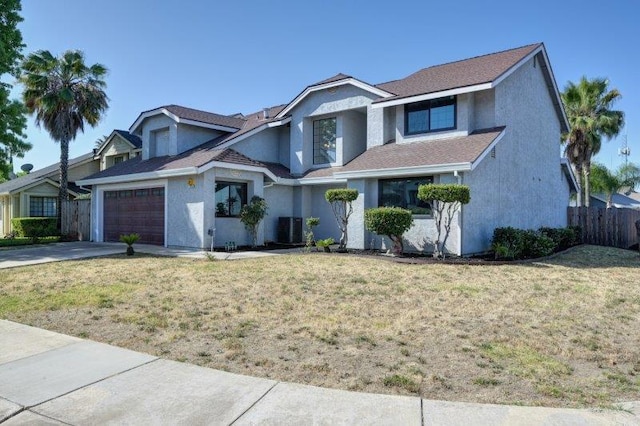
[
  {"x": 36, "y": 194},
  {"x": 619, "y": 201},
  {"x": 491, "y": 122}
]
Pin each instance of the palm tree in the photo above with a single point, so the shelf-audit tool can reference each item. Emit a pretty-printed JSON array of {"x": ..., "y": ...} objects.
[
  {"x": 64, "y": 94},
  {"x": 602, "y": 180},
  {"x": 588, "y": 106}
]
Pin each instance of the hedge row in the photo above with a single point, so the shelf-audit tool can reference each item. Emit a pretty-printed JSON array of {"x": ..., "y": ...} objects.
[
  {"x": 512, "y": 243},
  {"x": 35, "y": 226}
]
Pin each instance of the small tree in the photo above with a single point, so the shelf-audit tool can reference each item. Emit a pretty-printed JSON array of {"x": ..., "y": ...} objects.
[
  {"x": 445, "y": 200},
  {"x": 251, "y": 214},
  {"x": 340, "y": 200},
  {"x": 390, "y": 221},
  {"x": 603, "y": 180},
  {"x": 129, "y": 240}
]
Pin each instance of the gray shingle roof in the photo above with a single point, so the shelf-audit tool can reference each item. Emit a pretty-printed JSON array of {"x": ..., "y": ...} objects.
[
  {"x": 195, "y": 157},
  {"x": 336, "y": 77},
  {"x": 467, "y": 72},
  {"x": 205, "y": 117},
  {"x": 465, "y": 149},
  {"x": 40, "y": 174},
  {"x": 133, "y": 139}
]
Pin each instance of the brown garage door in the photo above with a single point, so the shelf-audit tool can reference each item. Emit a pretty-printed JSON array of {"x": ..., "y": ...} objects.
[{"x": 135, "y": 210}]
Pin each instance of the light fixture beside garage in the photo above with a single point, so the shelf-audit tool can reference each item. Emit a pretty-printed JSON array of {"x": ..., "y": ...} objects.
[{"x": 191, "y": 182}]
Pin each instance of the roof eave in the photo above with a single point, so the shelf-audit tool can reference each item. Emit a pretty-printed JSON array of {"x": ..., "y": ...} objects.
[
  {"x": 406, "y": 171},
  {"x": 185, "y": 171},
  {"x": 432, "y": 95}
]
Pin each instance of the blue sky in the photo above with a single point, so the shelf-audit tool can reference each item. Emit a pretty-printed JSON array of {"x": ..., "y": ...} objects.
[{"x": 229, "y": 57}]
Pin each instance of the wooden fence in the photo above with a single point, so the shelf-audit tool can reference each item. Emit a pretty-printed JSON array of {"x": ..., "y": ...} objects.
[
  {"x": 605, "y": 227},
  {"x": 76, "y": 219}
]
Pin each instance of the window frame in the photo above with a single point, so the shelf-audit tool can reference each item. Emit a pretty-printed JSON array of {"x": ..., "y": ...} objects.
[
  {"x": 43, "y": 206},
  {"x": 227, "y": 208},
  {"x": 406, "y": 203},
  {"x": 316, "y": 144},
  {"x": 427, "y": 106}
]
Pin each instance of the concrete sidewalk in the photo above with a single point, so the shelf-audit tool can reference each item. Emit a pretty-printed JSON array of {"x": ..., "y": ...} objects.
[
  {"x": 56, "y": 252},
  {"x": 50, "y": 378}
]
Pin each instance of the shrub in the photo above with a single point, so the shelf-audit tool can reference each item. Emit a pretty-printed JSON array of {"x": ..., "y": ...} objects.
[
  {"x": 340, "y": 200},
  {"x": 562, "y": 237},
  {"x": 446, "y": 199},
  {"x": 129, "y": 240},
  {"x": 390, "y": 221},
  {"x": 512, "y": 243},
  {"x": 325, "y": 244},
  {"x": 35, "y": 227},
  {"x": 311, "y": 223},
  {"x": 251, "y": 215}
]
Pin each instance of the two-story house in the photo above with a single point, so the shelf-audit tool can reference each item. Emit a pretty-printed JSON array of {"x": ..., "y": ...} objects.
[
  {"x": 492, "y": 122},
  {"x": 36, "y": 193}
]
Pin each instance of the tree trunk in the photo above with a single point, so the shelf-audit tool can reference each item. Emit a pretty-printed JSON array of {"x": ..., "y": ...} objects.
[
  {"x": 581, "y": 186},
  {"x": 398, "y": 246},
  {"x": 587, "y": 188},
  {"x": 63, "y": 193}
]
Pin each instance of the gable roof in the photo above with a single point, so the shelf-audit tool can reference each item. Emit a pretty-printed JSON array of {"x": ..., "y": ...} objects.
[
  {"x": 468, "y": 75},
  {"x": 192, "y": 116},
  {"x": 449, "y": 154},
  {"x": 17, "y": 184},
  {"x": 458, "y": 74},
  {"x": 189, "y": 162},
  {"x": 132, "y": 139}
]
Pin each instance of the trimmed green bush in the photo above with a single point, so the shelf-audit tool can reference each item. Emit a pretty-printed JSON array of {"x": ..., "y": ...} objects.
[
  {"x": 390, "y": 221},
  {"x": 340, "y": 200},
  {"x": 251, "y": 215},
  {"x": 562, "y": 237},
  {"x": 446, "y": 199},
  {"x": 35, "y": 227}
]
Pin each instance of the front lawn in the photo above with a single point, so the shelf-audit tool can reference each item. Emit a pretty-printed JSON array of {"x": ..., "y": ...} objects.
[{"x": 563, "y": 332}]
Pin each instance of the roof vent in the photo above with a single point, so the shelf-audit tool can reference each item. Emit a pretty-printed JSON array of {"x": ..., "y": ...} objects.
[{"x": 265, "y": 113}]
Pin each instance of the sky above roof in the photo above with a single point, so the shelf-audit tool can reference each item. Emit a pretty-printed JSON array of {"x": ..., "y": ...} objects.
[{"x": 230, "y": 57}]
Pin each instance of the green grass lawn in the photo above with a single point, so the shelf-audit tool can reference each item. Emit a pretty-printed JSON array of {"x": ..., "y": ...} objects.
[{"x": 26, "y": 241}]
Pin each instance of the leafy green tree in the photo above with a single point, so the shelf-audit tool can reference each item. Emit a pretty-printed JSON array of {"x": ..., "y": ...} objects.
[
  {"x": 340, "y": 200},
  {"x": 589, "y": 109},
  {"x": 64, "y": 94},
  {"x": 12, "y": 113},
  {"x": 251, "y": 215},
  {"x": 446, "y": 199},
  {"x": 390, "y": 221},
  {"x": 603, "y": 180}
]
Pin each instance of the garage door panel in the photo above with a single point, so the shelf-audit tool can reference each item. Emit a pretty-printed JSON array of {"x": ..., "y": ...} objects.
[{"x": 138, "y": 211}]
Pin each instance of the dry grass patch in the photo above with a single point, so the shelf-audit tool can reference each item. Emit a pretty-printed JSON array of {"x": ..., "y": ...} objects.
[{"x": 565, "y": 332}]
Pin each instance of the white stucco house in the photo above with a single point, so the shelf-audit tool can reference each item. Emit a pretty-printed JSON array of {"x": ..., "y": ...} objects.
[{"x": 492, "y": 122}]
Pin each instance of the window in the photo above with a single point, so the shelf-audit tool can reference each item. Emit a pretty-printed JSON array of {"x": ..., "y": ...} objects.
[
  {"x": 324, "y": 141},
  {"x": 230, "y": 197},
  {"x": 404, "y": 193},
  {"x": 430, "y": 116},
  {"x": 42, "y": 206},
  {"x": 118, "y": 159}
]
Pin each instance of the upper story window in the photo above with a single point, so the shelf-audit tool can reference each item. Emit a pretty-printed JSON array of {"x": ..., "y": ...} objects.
[
  {"x": 324, "y": 141},
  {"x": 404, "y": 193},
  {"x": 42, "y": 206},
  {"x": 430, "y": 116},
  {"x": 230, "y": 197}
]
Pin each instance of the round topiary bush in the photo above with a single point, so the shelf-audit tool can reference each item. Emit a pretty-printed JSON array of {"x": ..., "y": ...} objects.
[{"x": 390, "y": 221}]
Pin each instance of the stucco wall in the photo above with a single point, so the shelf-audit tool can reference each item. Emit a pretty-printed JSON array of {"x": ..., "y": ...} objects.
[
  {"x": 522, "y": 186},
  {"x": 320, "y": 208},
  {"x": 354, "y": 135},
  {"x": 280, "y": 204},
  {"x": 263, "y": 146},
  {"x": 191, "y": 136},
  {"x": 484, "y": 110},
  {"x": 185, "y": 212},
  {"x": 320, "y": 104},
  {"x": 153, "y": 124}
]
